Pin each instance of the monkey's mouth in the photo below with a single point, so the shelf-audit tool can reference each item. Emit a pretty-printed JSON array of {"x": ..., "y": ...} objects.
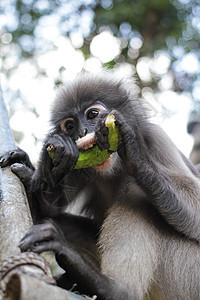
[{"x": 86, "y": 142}]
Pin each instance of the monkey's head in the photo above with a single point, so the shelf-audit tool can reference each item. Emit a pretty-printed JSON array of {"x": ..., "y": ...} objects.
[{"x": 79, "y": 105}]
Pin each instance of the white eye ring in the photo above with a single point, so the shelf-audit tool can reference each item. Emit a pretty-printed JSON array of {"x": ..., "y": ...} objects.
[
  {"x": 63, "y": 124},
  {"x": 97, "y": 106}
]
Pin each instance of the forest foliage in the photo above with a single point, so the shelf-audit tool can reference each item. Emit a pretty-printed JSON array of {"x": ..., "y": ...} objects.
[{"x": 144, "y": 28}]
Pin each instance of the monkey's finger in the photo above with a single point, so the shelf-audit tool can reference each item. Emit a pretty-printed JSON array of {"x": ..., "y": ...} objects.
[
  {"x": 53, "y": 142},
  {"x": 23, "y": 172},
  {"x": 66, "y": 158},
  {"x": 32, "y": 240},
  {"x": 59, "y": 153},
  {"x": 101, "y": 135},
  {"x": 41, "y": 247},
  {"x": 101, "y": 126},
  {"x": 4, "y": 161},
  {"x": 38, "y": 233},
  {"x": 9, "y": 158},
  {"x": 65, "y": 167},
  {"x": 102, "y": 141},
  {"x": 103, "y": 129}
]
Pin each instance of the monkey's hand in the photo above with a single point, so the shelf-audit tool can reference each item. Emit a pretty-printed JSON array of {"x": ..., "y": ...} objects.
[
  {"x": 20, "y": 165},
  {"x": 102, "y": 131},
  {"x": 127, "y": 138},
  {"x": 65, "y": 154},
  {"x": 42, "y": 237},
  {"x": 16, "y": 156},
  {"x": 45, "y": 237}
]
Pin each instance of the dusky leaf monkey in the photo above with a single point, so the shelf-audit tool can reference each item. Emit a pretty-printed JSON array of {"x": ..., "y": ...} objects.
[{"x": 140, "y": 209}]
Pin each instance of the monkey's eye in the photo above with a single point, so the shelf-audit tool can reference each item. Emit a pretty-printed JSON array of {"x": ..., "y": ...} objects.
[
  {"x": 92, "y": 113},
  {"x": 67, "y": 124},
  {"x": 94, "y": 110}
]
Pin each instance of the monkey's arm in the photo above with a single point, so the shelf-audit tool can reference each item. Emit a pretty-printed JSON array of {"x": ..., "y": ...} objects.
[
  {"x": 72, "y": 259},
  {"x": 158, "y": 167},
  {"x": 48, "y": 185}
]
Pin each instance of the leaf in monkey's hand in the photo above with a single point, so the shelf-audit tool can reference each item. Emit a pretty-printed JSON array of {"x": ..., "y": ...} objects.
[
  {"x": 91, "y": 157},
  {"x": 94, "y": 156}
]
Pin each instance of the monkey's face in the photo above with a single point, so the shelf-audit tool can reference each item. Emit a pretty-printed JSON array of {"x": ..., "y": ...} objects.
[
  {"x": 82, "y": 123},
  {"x": 81, "y": 127},
  {"x": 89, "y": 131}
]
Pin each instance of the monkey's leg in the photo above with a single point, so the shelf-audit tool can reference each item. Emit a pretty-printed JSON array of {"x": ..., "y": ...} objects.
[
  {"x": 130, "y": 249},
  {"x": 178, "y": 275}
]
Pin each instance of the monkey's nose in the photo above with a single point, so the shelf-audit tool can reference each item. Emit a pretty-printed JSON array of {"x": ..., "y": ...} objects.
[{"x": 83, "y": 133}]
